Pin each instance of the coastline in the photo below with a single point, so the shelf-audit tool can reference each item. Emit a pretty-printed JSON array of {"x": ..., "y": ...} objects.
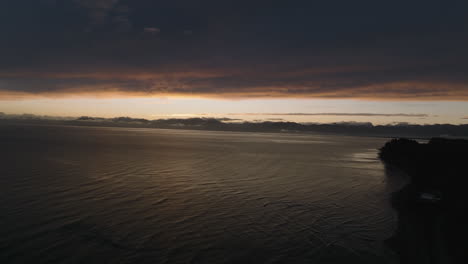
[
  {"x": 379, "y": 131},
  {"x": 430, "y": 207}
]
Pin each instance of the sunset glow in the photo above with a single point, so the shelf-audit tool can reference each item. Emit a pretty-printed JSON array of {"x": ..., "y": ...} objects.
[{"x": 157, "y": 60}]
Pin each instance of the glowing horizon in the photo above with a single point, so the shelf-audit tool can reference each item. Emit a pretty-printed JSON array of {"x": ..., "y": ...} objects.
[
  {"x": 297, "y": 110},
  {"x": 144, "y": 59}
]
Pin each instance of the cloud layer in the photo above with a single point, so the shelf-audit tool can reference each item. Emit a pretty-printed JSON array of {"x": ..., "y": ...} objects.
[{"x": 237, "y": 49}]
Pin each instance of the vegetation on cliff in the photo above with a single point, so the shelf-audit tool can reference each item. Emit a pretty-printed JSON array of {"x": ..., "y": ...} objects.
[
  {"x": 433, "y": 207},
  {"x": 441, "y": 164}
]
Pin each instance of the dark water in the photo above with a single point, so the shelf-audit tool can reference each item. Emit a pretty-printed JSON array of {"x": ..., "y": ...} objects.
[{"x": 114, "y": 195}]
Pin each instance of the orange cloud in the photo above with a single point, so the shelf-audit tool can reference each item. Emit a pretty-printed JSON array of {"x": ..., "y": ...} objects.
[{"x": 350, "y": 82}]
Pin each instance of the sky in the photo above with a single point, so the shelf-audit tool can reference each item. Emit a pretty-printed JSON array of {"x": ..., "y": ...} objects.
[{"x": 305, "y": 61}]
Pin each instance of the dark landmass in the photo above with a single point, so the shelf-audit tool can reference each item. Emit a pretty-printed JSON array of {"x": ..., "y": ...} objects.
[
  {"x": 432, "y": 208},
  {"x": 228, "y": 124}
]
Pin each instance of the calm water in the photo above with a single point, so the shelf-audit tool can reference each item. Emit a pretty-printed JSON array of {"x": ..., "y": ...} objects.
[{"x": 115, "y": 195}]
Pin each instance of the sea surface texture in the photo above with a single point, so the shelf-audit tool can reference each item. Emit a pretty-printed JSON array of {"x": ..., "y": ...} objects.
[{"x": 119, "y": 195}]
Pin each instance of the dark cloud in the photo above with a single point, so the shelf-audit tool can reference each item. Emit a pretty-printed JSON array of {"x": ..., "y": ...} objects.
[
  {"x": 97, "y": 4},
  {"x": 188, "y": 32},
  {"x": 151, "y": 30},
  {"x": 99, "y": 10},
  {"x": 240, "y": 49}
]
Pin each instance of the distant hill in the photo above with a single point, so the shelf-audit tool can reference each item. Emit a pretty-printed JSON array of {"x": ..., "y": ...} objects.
[{"x": 227, "y": 124}]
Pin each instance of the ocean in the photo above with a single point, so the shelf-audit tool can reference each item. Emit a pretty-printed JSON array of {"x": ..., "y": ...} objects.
[{"x": 123, "y": 195}]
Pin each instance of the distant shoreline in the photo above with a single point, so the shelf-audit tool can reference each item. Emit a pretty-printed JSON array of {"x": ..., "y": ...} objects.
[{"x": 420, "y": 132}]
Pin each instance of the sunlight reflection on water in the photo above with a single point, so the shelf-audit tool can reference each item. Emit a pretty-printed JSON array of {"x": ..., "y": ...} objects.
[{"x": 149, "y": 195}]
